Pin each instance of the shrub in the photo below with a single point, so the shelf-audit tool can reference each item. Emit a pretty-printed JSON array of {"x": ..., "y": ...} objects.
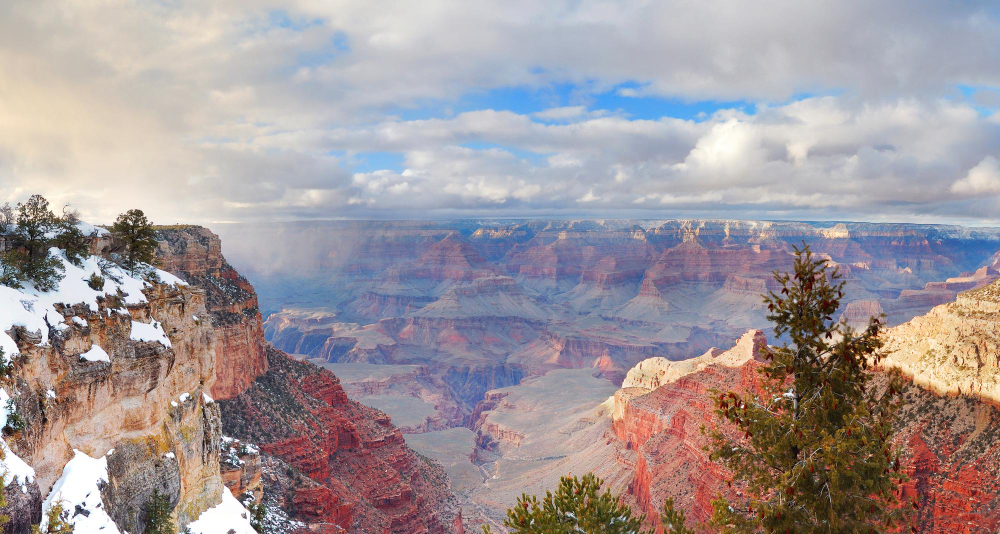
[
  {"x": 6, "y": 365},
  {"x": 96, "y": 282},
  {"x": 137, "y": 238},
  {"x": 158, "y": 520},
  {"x": 258, "y": 513},
  {"x": 576, "y": 506},
  {"x": 11, "y": 262},
  {"x": 57, "y": 522},
  {"x": 15, "y": 422}
]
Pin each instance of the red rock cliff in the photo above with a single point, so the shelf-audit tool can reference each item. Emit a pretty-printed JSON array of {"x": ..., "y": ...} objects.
[{"x": 195, "y": 254}]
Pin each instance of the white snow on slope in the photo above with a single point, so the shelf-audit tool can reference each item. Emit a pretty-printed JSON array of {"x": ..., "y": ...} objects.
[
  {"x": 78, "y": 487},
  {"x": 35, "y": 310},
  {"x": 149, "y": 332},
  {"x": 95, "y": 354},
  {"x": 229, "y": 514}
]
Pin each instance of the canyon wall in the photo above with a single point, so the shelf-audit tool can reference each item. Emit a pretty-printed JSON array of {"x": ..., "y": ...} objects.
[
  {"x": 195, "y": 254},
  {"x": 947, "y": 426},
  {"x": 109, "y": 382},
  {"x": 327, "y": 462}
]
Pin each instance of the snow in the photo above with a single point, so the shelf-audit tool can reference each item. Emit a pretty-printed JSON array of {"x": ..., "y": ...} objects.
[
  {"x": 78, "y": 489},
  {"x": 225, "y": 516},
  {"x": 149, "y": 332},
  {"x": 35, "y": 310},
  {"x": 80, "y": 321},
  {"x": 169, "y": 455},
  {"x": 50, "y": 394},
  {"x": 95, "y": 354},
  {"x": 13, "y": 467},
  {"x": 184, "y": 397},
  {"x": 169, "y": 279},
  {"x": 89, "y": 229},
  {"x": 206, "y": 398}
]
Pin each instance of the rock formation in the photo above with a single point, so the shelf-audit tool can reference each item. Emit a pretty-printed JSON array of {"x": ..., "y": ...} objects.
[
  {"x": 110, "y": 378},
  {"x": 195, "y": 254}
]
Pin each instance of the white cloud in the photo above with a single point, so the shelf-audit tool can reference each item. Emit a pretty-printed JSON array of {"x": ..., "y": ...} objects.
[
  {"x": 983, "y": 179},
  {"x": 111, "y": 105}
]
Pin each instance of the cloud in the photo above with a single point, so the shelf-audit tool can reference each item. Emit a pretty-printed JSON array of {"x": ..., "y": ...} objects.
[
  {"x": 983, "y": 179},
  {"x": 259, "y": 109}
]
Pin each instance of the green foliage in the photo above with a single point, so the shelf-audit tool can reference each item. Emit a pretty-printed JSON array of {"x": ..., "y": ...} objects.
[
  {"x": 11, "y": 274},
  {"x": 4, "y": 518},
  {"x": 138, "y": 239},
  {"x": 258, "y": 513},
  {"x": 813, "y": 452},
  {"x": 158, "y": 520},
  {"x": 57, "y": 522},
  {"x": 73, "y": 241},
  {"x": 96, "y": 282},
  {"x": 15, "y": 422},
  {"x": 576, "y": 506},
  {"x": 673, "y": 521},
  {"x": 6, "y": 365},
  {"x": 32, "y": 238}
]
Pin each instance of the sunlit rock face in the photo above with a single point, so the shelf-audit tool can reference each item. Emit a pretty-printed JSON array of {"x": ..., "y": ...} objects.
[
  {"x": 195, "y": 254},
  {"x": 116, "y": 376}
]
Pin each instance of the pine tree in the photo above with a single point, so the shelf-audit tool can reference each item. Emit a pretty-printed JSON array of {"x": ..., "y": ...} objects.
[
  {"x": 33, "y": 236},
  {"x": 138, "y": 238},
  {"x": 158, "y": 520},
  {"x": 56, "y": 524},
  {"x": 673, "y": 521},
  {"x": 576, "y": 506},
  {"x": 72, "y": 241},
  {"x": 813, "y": 452}
]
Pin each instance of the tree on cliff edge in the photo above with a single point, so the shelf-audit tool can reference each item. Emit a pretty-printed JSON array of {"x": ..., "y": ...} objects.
[
  {"x": 137, "y": 238},
  {"x": 811, "y": 450},
  {"x": 578, "y": 505}
]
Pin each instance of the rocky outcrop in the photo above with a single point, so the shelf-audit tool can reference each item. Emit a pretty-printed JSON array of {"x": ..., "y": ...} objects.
[
  {"x": 195, "y": 254},
  {"x": 954, "y": 349},
  {"x": 950, "y": 442},
  {"x": 299, "y": 414},
  {"x": 120, "y": 378}
]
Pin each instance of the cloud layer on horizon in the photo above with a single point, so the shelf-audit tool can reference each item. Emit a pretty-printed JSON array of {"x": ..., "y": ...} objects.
[{"x": 260, "y": 110}]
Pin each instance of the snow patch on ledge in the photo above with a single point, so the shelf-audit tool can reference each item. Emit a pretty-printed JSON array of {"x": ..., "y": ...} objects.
[
  {"x": 224, "y": 517},
  {"x": 35, "y": 311},
  {"x": 149, "y": 332},
  {"x": 78, "y": 489},
  {"x": 95, "y": 354}
]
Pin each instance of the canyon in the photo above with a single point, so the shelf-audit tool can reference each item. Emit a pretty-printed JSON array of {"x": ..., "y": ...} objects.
[
  {"x": 127, "y": 387},
  {"x": 514, "y": 352},
  {"x": 429, "y": 380}
]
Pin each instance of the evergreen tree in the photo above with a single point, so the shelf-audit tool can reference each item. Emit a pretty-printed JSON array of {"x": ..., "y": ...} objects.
[
  {"x": 137, "y": 237},
  {"x": 813, "y": 452},
  {"x": 72, "y": 241},
  {"x": 673, "y": 521},
  {"x": 11, "y": 268},
  {"x": 36, "y": 227},
  {"x": 158, "y": 520},
  {"x": 576, "y": 506},
  {"x": 57, "y": 523}
]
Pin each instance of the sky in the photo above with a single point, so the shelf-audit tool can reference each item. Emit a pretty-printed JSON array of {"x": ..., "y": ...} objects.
[{"x": 258, "y": 110}]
